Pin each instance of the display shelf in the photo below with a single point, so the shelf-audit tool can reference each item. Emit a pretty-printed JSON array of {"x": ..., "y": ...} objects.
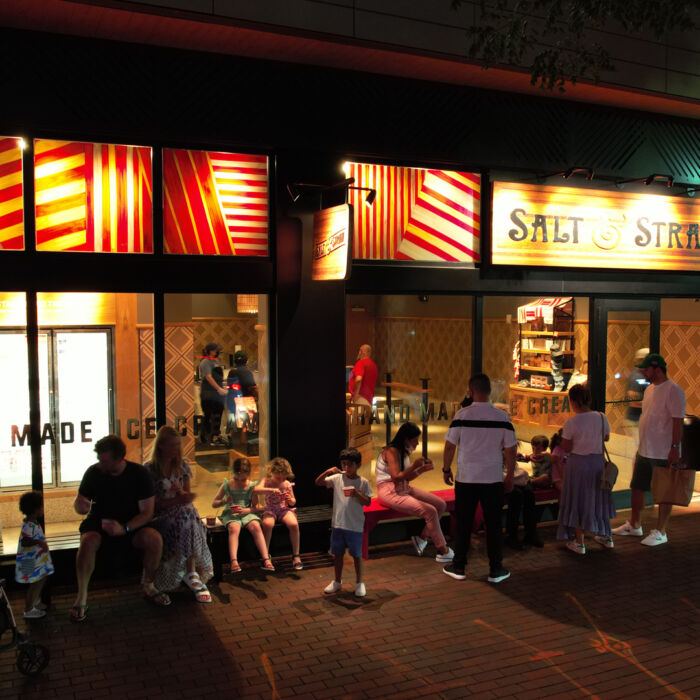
[
  {"x": 548, "y": 334},
  {"x": 546, "y": 370},
  {"x": 543, "y": 352}
]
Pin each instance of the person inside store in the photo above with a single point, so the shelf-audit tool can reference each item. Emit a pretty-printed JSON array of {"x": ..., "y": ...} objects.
[
  {"x": 212, "y": 395},
  {"x": 583, "y": 505},
  {"x": 240, "y": 382},
  {"x": 660, "y": 433},
  {"x": 363, "y": 377},
  {"x": 118, "y": 498},
  {"x": 394, "y": 476},
  {"x": 485, "y": 438},
  {"x": 186, "y": 557},
  {"x": 241, "y": 375},
  {"x": 636, "y": 385}
]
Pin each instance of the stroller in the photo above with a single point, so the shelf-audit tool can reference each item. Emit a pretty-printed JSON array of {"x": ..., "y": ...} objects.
[{"x": 31, "y": 658}]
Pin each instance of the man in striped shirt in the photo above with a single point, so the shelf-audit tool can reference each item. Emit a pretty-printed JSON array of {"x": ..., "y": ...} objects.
[{"x": 486, "y": 441}]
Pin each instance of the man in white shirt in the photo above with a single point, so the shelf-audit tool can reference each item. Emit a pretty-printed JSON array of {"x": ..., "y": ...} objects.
[
  {"x": 486, "y": 440},
  {"x": 660, "y": 431}
]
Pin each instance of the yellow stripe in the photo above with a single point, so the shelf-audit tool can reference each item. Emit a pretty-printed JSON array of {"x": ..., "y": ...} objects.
[
  {"x": 60, "y": 217},
  {"x": 204, "y": 200},
  {"x": 10, "y": 206},
  {"x": 43, "y": 145},
  {"x": 9, "y": 156},
  {"x": 11, "y": 232},
  {"x": 187, "y": 200},
  {"x": 58, "y": 166},
  {"x": 68, "y": 190},
  {"x": 11, "y": 180},
  {"x": 177, "y": 225},
  {"x": 67, "y": 242}
]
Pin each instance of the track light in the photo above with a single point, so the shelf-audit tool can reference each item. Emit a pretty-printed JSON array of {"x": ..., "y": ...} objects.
[
  {"x": 655, "y": 176},
  {"x": 570, "y": 171},
  {"x": 371, "y": 196}
]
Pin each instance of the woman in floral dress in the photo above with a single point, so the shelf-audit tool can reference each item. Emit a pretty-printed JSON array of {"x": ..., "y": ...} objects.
[{"x": 186, "y": 557}]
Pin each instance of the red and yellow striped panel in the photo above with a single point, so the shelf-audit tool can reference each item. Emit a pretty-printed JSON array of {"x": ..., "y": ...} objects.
[
  {"x": 11, "y": 203},
  {"x": 418, "y": 214},
  {"x": 215, "y": 203},
  {"x": 93, "y": 197}
]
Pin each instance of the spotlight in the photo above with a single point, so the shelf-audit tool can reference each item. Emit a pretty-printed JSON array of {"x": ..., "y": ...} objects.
[
  {"x": 371, "y": 196},
  {"x": 656, "y": 176},
  {"x": 345, "y": 168}
]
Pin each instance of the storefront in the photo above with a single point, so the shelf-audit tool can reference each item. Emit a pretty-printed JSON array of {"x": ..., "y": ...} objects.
[{"x": 149, "y": 215}]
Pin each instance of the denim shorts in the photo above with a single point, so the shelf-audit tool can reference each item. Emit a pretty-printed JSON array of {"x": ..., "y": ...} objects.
[{"x": 340, "y": 539}]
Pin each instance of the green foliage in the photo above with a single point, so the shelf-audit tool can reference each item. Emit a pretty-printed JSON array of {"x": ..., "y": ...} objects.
[{"x": 510, "y": 30}]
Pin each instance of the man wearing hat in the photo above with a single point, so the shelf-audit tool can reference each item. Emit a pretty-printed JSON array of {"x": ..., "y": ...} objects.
[
  {"x": 660, "y": 430},
  {"x": 212, "y": 394}
]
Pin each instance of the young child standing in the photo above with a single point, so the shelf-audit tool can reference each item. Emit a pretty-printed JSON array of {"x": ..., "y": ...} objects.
[
  {"x": 33, "y": 563},
  {"x": 278, "y": 491},
  {"x": 350, "y": 493},
  {"x": 237, "y": 498}
]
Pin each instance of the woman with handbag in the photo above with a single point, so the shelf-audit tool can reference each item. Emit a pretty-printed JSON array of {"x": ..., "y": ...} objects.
[{"x": 584, "y": 506}]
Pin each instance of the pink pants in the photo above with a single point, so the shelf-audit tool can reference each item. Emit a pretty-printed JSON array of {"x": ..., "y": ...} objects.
[{"x": 422, "y": 504}]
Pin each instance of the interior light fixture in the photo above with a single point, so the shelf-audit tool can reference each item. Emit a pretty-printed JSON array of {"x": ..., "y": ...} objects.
[
  {"x": 651, "y": 178},
  {"x": 571, "y": 171},
  {"x": 247, "y": 303}
]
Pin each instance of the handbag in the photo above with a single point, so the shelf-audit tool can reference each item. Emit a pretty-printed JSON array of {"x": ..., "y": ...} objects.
[
  {"x": 610, "y": 471},
  {"x": 672, "y": 485}
]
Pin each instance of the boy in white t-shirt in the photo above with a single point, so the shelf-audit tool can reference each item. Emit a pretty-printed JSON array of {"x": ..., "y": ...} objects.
[{"x": 350, "y": 493}]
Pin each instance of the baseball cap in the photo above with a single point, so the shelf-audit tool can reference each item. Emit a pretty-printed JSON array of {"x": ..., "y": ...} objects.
[
  {"x": 652, "y": 360},
  {"x": 239, "y": 355},
  {"x": 211, "y": 346}
]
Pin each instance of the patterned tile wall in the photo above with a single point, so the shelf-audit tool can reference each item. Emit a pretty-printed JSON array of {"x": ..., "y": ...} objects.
[
  {"x": 680, "y": 345},
  {"x": 179, "y": 381},
  {"x": 227, "y": 332},
  {"x": 499, "y": 340},
  {"x": 411, "y": 348}
]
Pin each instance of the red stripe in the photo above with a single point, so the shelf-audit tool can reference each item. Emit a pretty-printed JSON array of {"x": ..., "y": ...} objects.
[
  {"x": 15, "y": 243},
  {"x": 11, "y": 218},
  {"x": 65, "y": 150},
  {"x": 60, "y": 205},
  {"x": 14, "y": 166},
  {"x": 238, "y": 157},
  {"x": 246, "y": 251},
  {"x": 429, "y": 247},
  {"x": 442, "y": 237},
  {"x": 12, "y": 192},
  {"x": 62, "y": 178},
  {"x": 7, "y": 143},
  {"x": 449, "y": 202},
  {"x": 446, "y": 177},
  {"x": 448, "y": 217},
  {"x": 47, "y": 235}
]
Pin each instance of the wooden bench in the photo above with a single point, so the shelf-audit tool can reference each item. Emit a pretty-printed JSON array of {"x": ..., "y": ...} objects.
[{"x": 375, "y": 512}]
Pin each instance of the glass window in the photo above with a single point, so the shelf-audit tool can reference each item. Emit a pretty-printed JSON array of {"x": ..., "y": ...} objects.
[
  {"x": 96, "y": 378},
  {"x": 93, "y": 197},
  {"x": 217, "y": 426},
  {"x": 215, "y": 203},
  {"x": 414, "y": 341},
  {"x": 534, "y": 349},
  {"x": 424, "y": 215},
  {"x": 11, "y": 202}
]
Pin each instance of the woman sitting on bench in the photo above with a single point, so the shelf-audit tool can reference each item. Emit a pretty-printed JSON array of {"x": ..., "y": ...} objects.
[{"x": 394, "y": 472}]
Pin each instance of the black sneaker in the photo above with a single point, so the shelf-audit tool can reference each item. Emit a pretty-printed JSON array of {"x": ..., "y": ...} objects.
[
  {"x": 512, "y": 542},
  {"x": 451, "y": 571},
  {"x": 498, "y": 575}
]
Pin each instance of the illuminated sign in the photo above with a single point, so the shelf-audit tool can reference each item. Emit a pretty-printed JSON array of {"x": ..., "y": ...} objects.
[
  {"x": 566, "y": 227},
  {"x": 330, "y": 259}
]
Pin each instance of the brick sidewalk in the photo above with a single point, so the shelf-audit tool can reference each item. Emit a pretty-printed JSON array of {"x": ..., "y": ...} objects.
[{"x": 562, "y": 626}]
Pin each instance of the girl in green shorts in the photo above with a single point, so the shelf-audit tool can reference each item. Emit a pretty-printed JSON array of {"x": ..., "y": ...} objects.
[{"x": 236, "y": 497}]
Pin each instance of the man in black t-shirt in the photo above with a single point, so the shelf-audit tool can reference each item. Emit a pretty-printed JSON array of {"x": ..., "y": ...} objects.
[{"x": 118, "y": 498}]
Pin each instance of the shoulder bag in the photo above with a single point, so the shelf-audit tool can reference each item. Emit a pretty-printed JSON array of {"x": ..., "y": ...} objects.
[{"x": 609, "y": 475}]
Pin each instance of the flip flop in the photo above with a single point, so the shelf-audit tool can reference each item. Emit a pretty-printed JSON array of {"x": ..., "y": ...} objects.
[
  {"x": 78, "y": 613},
  {"x": 297, "y": 565},
  {"x": 235, "y": 566},
  {"x": 158, "y": 598}
]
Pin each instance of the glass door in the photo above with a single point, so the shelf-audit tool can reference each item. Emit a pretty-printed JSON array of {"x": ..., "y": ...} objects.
[{"x": 624, "y": 332}]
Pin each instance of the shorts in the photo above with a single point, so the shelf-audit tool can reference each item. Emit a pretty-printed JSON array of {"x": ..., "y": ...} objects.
[
  {"x": 277, "y": 513},
  {"x": 342, "y": 539},
  {"x": 643, "y": 469}
]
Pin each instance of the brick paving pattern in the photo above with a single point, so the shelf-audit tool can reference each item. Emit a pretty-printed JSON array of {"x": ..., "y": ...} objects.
[{"x": 610, "y": 624}]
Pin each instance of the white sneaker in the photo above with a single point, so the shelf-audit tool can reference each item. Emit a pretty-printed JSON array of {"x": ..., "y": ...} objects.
[
  {"x": 607, "y": 542},
  {"x": 655, "y": 537},
  {"x": 33, "y": 614},
  {"x": 360, "y": 590},
  {"x": 574, "y": 546},
  {"x": 419, "y": 544},
  {"x": 628, "y": 530},
  {"x": 449, "y": 555},
  {"x": 332, "y": 587}
]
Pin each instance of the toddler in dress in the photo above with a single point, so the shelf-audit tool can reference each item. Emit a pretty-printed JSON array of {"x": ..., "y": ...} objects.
[
  {"x": 278, "y": 492},
  {"x": 33, "y": 564}
]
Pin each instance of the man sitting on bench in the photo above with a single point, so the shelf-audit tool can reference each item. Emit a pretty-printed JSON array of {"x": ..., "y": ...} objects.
[{"x": 118, "y": 498}]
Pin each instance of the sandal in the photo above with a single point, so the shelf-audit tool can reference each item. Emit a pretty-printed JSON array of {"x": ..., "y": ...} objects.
[
  {"x": 267, "y": 564},
  {"x": 296, "y": 562},
  {"x": 235, "y": 566},
  {"x": 78, "y": 613},
  {"x": 196, "y": 585},
  {"x": 159, "y": 598}
]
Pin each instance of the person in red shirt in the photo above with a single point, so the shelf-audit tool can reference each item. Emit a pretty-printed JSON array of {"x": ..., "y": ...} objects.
[{"x": 363, "y": 377}]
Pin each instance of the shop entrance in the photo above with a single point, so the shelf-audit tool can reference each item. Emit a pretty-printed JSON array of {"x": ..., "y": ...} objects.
[
  {"x": 75, "y": 375},
  {"x": 624, "y": 332}
]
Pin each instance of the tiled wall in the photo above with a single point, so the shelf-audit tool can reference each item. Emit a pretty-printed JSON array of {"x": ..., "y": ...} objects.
[
  {"x": 228, "y": 333},
  {"x": 680, "y": 345}
]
